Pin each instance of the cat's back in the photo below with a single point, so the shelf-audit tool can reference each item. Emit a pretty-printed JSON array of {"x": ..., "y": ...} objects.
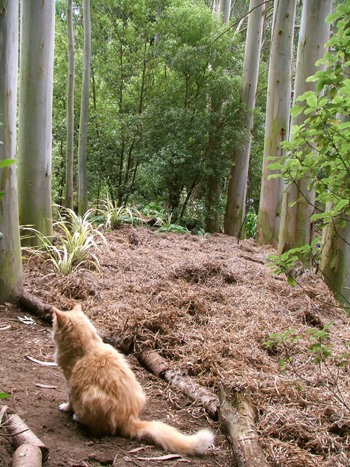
[{"x": 107, "y": 368}]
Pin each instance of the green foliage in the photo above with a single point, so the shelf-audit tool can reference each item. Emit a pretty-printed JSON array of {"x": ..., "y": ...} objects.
[
  {"x": 288, "y": 262},
  {"x": 72, "y": 247},
  {"x": 168, "y": 226},
  {"x": 328, "y": 364},
  {"x": 151, "y": 88},
  {"x": 250, "y": 224},
  {"x": 3, "y": 395},
  {"x": 114, "y": 215}
]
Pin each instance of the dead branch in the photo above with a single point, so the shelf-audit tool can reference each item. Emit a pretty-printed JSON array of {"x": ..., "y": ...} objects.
[
  {"x": 159, "y": 367},
  {"x": 36, "y": 306},
  {"x": 27, "y": 455},
  {"x": 237, "y": 419},
  {"x": 22, "y": 434}
]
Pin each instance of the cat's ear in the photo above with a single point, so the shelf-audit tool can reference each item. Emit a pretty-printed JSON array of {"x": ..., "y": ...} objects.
[
  {"x": 56, "y": 312},
  {"x": 77, "y": 307}
]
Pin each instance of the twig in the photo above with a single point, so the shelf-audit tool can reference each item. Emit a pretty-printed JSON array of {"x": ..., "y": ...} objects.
[
  {"x": 28, "y": 357},
  {"x": 45, "y": 386}
]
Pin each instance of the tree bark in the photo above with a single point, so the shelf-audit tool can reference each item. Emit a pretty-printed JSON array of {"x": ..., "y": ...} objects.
[
  {"x": 238, "y": 421},
  {"x": 69, "y": 200},
  {"x": 35, "y": 115},
  {"x": 84, "y": 114},
  {"x": 277, "y": 119},
  {"x": 10, "y": 248},
  {"x": 237, "y": 187},
  {"x": 22, "y": 434},
  {"x": 27, "y": 455},
  {"x": 335, "y": 258},
  {"x": 295, "y": 230}
]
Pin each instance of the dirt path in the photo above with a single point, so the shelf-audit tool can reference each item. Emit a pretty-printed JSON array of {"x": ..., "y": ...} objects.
[{"x": 69, "y": 444}]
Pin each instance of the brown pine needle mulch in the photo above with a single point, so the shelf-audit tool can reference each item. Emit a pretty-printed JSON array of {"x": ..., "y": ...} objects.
[{"x": 208, "y": 305}]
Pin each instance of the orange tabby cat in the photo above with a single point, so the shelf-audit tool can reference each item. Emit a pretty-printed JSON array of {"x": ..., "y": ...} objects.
[{"x": 103, "y": 391}]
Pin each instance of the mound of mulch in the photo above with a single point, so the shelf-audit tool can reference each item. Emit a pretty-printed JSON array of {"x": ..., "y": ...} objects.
[{"x": 208, "y": 305}]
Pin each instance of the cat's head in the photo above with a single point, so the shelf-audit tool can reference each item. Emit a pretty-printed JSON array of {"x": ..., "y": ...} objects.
[{"x": 72, "y": 326}]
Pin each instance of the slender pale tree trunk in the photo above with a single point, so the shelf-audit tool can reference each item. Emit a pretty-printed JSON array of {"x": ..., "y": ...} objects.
[
  {"x": 335, "y": 258},
  {"x": 84, "y": 114},
  {"x": 35, "y": 114},
  {"x": 295, "y": 229},
  {"x": 213, "y": 182},
  {"x": 277, "y": 119},
  {"x": 237, "y": 187},
  {"x": 223, "y": 9},
  {"x": 69, "y": 200},
  {"x": 10, "y": 248}
]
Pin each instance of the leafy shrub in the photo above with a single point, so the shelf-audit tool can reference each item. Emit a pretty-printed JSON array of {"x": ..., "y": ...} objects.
[
  {"x": 115, "y": 215},
  {"x": 73, "y": 245}
]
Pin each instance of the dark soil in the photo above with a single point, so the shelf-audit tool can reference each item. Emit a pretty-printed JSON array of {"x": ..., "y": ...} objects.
[{"x": 207, "y": 305}]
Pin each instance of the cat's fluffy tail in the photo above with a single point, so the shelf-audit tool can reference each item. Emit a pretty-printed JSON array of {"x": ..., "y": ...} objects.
[{"x": 172, "y": 439}]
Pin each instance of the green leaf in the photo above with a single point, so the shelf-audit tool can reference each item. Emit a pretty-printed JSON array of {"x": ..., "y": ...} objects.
[
  {"x": 291, "y": 281},
  {"x": 3, "y": 395},
  {"x": 333, "y": 16},
  {"x": 296, "y": 110},
  {"x": 7, "y": 162},
  {"x": 312, "y": 100}
]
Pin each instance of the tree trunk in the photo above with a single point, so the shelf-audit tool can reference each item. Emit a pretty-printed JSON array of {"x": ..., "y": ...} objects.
[
  {"x": 277, "y": 119},
  {"x": 295, "y": 229},
  {"x": 35, "y": 115},
  {"x": 213, "y": 182},
  {"x": 336, "y": 258},
  {"x": 223, "y": 9},
  {"x": 69, "y": 200},
  {"x": 10, "y": 248},
  {"x": 237, "y": 188},
  {"x": 84, "y": 113}
]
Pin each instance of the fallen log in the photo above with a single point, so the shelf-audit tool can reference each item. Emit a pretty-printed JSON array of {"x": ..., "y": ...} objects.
[
  {"x": 27, "y": 455},
  {"x": 159, "y": 367},
  {"x": 36, "y": 306},
  {"x": 237, "y": 419},
  {"x": 22, "y": 434}
]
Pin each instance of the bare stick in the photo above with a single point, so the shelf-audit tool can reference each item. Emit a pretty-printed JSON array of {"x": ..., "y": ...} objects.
[
  {"x": 40, "y": 362},
  {"x": 237, "y": 419}
]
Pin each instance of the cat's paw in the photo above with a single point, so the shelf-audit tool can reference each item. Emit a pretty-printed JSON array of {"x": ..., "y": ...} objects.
[
  {"x": 75, "y": 418},
  {"x": 65, "y": 407}
]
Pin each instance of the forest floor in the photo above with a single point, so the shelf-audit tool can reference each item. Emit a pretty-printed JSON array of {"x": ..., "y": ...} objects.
[{"x": 207, "y": 305}]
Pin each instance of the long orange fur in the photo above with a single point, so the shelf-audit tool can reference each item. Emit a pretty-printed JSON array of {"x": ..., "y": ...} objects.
[{"x": 104, "y": 393}]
